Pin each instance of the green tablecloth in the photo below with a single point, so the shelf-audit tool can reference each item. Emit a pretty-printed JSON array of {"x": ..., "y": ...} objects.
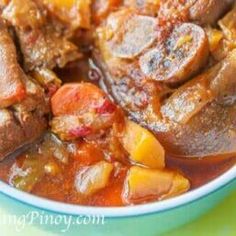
[{"x": 220, "y": 221}]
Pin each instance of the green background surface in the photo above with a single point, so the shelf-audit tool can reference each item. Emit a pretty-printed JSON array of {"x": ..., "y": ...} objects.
[{"x": 221, "y": 221}]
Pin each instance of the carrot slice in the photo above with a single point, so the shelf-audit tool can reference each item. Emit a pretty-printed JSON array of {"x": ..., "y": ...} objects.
[{"x": 77, "y": 98}]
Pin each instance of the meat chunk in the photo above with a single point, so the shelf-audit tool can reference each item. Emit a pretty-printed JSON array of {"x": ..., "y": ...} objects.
[
  {"x": 75, "y": 14},
  {"x": 228, "y": 27},
  {"x": 210, "y": 126},
  {"x": 196, "y": 120},
  {"x": 203, "y": 12},
  {"x": 46, "y": 50},
  {"x": 24, "y": 122},
  {"x": 146, "y": 7},
  {"x": 102, "y": 8},
  {"x": 208, "y": 11},
  {"x": 12, "y": 89},
  {"x": 41, "y": 44},
  {"x": 182, "y": 55},
  {"x": 204, "y": 126},
  {"x": 14, "y": 135},
  {"x": 23, "y": 103},
  {"x": 135, "y": 35},
  {"x": 134, "y": 39},
  {"x": 11, "y": 134}
]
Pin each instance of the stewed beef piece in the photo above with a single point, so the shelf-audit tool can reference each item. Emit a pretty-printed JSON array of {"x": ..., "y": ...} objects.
[
  {"x": 164, "y": 77},
  {"x": 42, "y": 45},
  {"x": 204, "y": 12},
  {"x": 208, "y": 11},
  {"x": 29, "y": 43},
  {"x": 23, "y": 104},
  {"x": 12, "y": 77}
]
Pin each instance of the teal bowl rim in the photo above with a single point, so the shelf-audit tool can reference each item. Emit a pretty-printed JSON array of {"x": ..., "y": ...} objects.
[{"x": 121, "y": 212}]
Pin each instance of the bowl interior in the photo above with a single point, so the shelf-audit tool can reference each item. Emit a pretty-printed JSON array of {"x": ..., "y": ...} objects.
[{"x": 137, "y": 210}]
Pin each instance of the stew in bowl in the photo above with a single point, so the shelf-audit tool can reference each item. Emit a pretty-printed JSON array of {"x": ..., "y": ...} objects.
[{"x": 115, "y": 103}]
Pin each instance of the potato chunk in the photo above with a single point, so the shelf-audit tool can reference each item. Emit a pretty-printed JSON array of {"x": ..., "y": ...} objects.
[
  {"x": 142, "y": 146},
  {"x": 90, "y": 179},
  {"x": 145, "y": 184}
]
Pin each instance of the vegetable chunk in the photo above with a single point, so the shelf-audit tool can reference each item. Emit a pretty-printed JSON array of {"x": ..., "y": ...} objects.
[
  {"x": 81, "y": 109},
  {"x": 91, "y": 179},
  {"x": 142, "y": 146},
  {"x": 144, "y": 184},
  {"x": 75, "y": 98}
]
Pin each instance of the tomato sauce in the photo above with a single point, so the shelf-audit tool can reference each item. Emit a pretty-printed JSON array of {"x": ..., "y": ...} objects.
[{"x": 61, "y": 188}]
